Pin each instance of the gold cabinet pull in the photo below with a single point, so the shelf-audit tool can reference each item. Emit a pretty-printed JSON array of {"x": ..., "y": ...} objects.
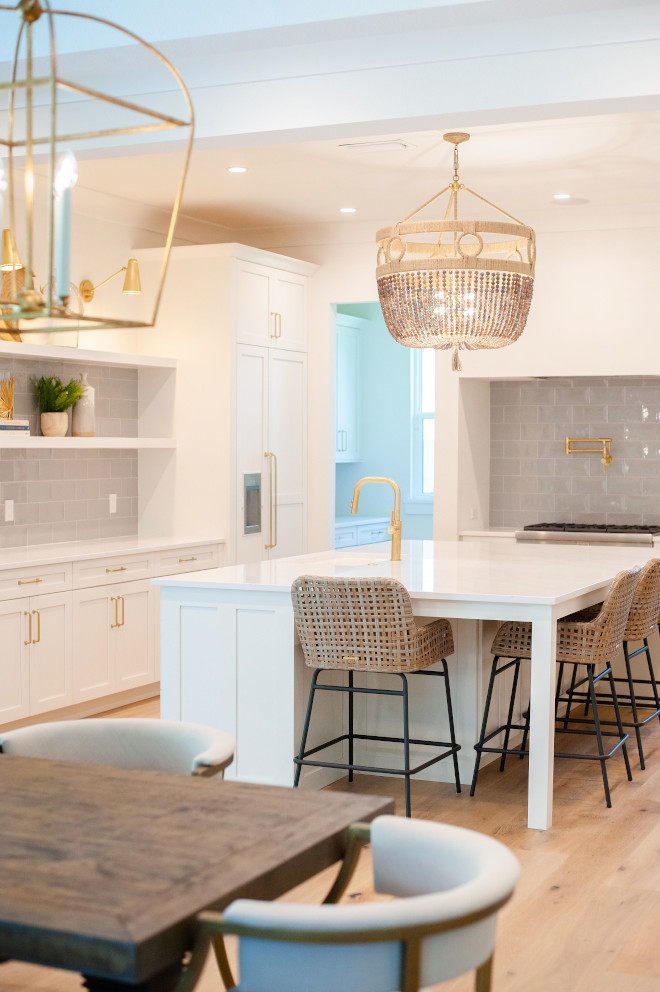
[
  {"x": 182, "y": 560},
  {"x": 123, "y": 606},
  {"x": 28, "y": 582},
  {"x": 26, "y": 613},
  {"x": 38, "y": 616},
  {"x": 272, "y": 506},
  {"x": 279, "y": 325},
  {"x": 113, "y": 599},
  {"x": 274, "y": 325},
  {"x": 122, "y": 568}
]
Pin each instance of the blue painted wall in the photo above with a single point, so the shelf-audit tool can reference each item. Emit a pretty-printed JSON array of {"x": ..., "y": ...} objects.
[{"x": 385, "y": 426}]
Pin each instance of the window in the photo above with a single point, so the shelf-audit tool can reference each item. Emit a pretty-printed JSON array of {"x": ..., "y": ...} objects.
[{"x": 422, "y": 368}]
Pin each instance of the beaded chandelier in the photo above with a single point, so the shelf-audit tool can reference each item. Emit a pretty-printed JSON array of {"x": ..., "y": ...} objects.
[{"x": 459, "y": 284}]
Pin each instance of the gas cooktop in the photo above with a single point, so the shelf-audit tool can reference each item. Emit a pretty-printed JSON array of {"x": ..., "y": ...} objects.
[{"x": 598, "y": 528}]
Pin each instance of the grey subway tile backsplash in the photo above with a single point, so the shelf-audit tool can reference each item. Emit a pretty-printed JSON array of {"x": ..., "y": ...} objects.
[
  {"x": 62, "y": 495},
  {"x": 533, "y": 480}
]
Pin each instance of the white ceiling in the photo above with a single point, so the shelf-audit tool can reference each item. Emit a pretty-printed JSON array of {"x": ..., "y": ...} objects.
[
  {"x": 280, "y": 87},
  {"x": 610, "y": 161}
]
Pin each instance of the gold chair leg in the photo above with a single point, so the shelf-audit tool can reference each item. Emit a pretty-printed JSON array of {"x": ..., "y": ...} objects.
[
  {"x": 223, "y": 962},
  {"x": 358, "y": 836}
]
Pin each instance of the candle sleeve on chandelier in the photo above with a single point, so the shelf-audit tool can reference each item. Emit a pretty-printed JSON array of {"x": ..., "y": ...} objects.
[{"x": 66, "y": 177}]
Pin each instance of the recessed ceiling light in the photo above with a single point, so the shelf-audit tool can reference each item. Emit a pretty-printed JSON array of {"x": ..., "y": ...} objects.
[
  {"x": 568, "y": 200},
  {"x": 236, "y": 168},
  {"x": 561, "y": 196},
  {"x": 347, "y": 210}
]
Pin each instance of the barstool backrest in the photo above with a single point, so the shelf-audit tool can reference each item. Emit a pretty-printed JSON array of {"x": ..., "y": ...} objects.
[
  {"x": 598, "y": 641},
  {"x": 644, "y": 613},
  {"x": 360, "y": 624}
]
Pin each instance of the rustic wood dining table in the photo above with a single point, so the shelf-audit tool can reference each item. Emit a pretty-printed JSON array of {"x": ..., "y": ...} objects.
[{"x": 102, "y": 870}]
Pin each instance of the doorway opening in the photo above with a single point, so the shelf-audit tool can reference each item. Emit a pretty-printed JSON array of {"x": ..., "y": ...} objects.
[{"x": 385, "y": 405}]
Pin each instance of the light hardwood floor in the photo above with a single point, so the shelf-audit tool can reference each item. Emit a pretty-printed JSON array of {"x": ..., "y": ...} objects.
[{"x": 586, "y": 914}]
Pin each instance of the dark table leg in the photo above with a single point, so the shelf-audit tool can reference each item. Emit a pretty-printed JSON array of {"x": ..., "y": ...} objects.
[{"x": 164, "y": 981}]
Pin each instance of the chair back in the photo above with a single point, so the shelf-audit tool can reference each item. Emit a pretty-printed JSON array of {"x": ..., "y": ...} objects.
[
  {"x": 450, "y": 883},
  {"x": 147, "y": 744},
  {"x": 601, "y": 639},
  {"x": 361, "y": 624},
  {"x": 644, "y": 613}
]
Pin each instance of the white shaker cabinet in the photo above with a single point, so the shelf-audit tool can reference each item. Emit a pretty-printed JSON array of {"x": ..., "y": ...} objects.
[
  {"x": 271, "y": 443},
  {"x": 36, "y": 643},
  {"x": 348, "y": 377},
  {"x": 269, "y": 306},
  {"x": 114, "y": 649}
]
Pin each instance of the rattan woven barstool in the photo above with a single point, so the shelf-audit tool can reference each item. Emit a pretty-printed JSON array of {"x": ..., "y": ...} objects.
[
  {"x": 642, "y": 621},
  {"x": 367, "y": 625},
  {"x": 585, "y": 644}
]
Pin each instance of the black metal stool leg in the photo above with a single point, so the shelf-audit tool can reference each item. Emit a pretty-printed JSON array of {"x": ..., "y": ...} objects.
[
  {"x": 509, "y": 719},
  {"x": 622, "y": 734},
  {"x": 652, "y": 678},
  {"x": 406, "y": 741},
  {"x": 633, "y": 705},
  {"x": 569, "y": 703},
  {"x": 484, "y": 722},
  {"x": 303, "y": 739},
  {"x": 350, "y": 726},
  {"x": 599, "y": 738},
  {"x": 450, "y": 714}
]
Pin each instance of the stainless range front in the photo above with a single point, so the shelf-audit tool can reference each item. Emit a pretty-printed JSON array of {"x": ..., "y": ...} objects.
[{"x": 611, "y": 534}]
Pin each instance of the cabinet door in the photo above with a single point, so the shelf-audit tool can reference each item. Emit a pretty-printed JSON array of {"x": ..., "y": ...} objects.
[
  {"x": 288, "y": 301},
  {"x": 251, "y": 444},
  {"x": 50, "y": 652},
  {"x": 347, "y": 440},
  {"x": 132, "y": 642},
  {"x": 251, "y": 306},
  {"x": 287, "y": 440},
  {"x": 14, "y": 660},
  {"x": 93, "y": 615}
]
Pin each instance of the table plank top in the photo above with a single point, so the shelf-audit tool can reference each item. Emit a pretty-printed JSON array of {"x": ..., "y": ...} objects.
[{"x": 102, "y": 869}]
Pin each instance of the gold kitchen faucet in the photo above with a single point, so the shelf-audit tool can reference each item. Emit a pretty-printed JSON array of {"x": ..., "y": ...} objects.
[{"x": 395, "y": 517}]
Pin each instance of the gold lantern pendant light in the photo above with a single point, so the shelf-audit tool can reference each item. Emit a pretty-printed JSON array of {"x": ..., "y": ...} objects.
[{"x": 451, "y": 283}]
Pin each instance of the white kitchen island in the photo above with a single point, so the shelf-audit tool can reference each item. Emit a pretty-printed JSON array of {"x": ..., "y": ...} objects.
[{"x": 229, "y": 658}]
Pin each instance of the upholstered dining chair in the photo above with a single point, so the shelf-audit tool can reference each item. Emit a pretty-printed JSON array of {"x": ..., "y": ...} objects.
[
  {"x": 448, "y": 884},
  {"x": 589, "y": 645},
  {"x": 367, "y": 625},
  {"x": 127, "y": 742}
]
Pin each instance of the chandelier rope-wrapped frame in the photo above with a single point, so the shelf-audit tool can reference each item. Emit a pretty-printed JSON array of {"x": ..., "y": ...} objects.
[
  {"x": 24, "y": 302},
  {"x": 451, "y": 283}
]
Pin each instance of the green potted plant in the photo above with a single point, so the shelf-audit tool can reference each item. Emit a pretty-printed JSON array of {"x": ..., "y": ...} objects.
[{"x": 54, "y": 400}]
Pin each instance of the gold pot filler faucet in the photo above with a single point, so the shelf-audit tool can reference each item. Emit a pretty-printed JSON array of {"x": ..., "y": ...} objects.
[{"x": 395, "y": 517}]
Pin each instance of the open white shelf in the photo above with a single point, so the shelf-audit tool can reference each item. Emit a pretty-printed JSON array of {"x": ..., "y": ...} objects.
[
  {"x": 60, "y": 353},
  {"x": 8, "y": 439}
]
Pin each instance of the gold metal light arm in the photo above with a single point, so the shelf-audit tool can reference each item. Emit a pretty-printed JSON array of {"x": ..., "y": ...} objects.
[{"x": 132, "y": 285}]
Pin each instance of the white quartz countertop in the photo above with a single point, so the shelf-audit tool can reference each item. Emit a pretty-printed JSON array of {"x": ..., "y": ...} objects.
[
  {"x": 47, "y": 554},
  {"x": 477, "y": 571}
]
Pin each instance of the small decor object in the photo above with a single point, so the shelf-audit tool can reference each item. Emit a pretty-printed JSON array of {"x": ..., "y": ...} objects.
[
  {"x": 54, "y": 400},
  {"x": 459, "y": 284},
  {"x": 82, "y": 416},
  {"x": 7, "y": 398}
]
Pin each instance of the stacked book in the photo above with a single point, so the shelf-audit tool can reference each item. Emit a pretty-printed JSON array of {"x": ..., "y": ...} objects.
[{"x": 21, "y": 426}]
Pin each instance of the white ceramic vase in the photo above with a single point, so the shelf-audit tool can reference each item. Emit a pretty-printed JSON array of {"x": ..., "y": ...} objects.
[
  {"x": 54, "y": 424},
  {"x": 82, "y": 419}
]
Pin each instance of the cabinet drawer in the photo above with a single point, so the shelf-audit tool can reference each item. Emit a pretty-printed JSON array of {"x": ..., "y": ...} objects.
[
  {"x": 186, "y": 560},
  {"x": 120, "y": 568},
  {"x": 34, "y": 580},
  {"x": 346, "y": 537},
  {"x": 371, "y": 533}
]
